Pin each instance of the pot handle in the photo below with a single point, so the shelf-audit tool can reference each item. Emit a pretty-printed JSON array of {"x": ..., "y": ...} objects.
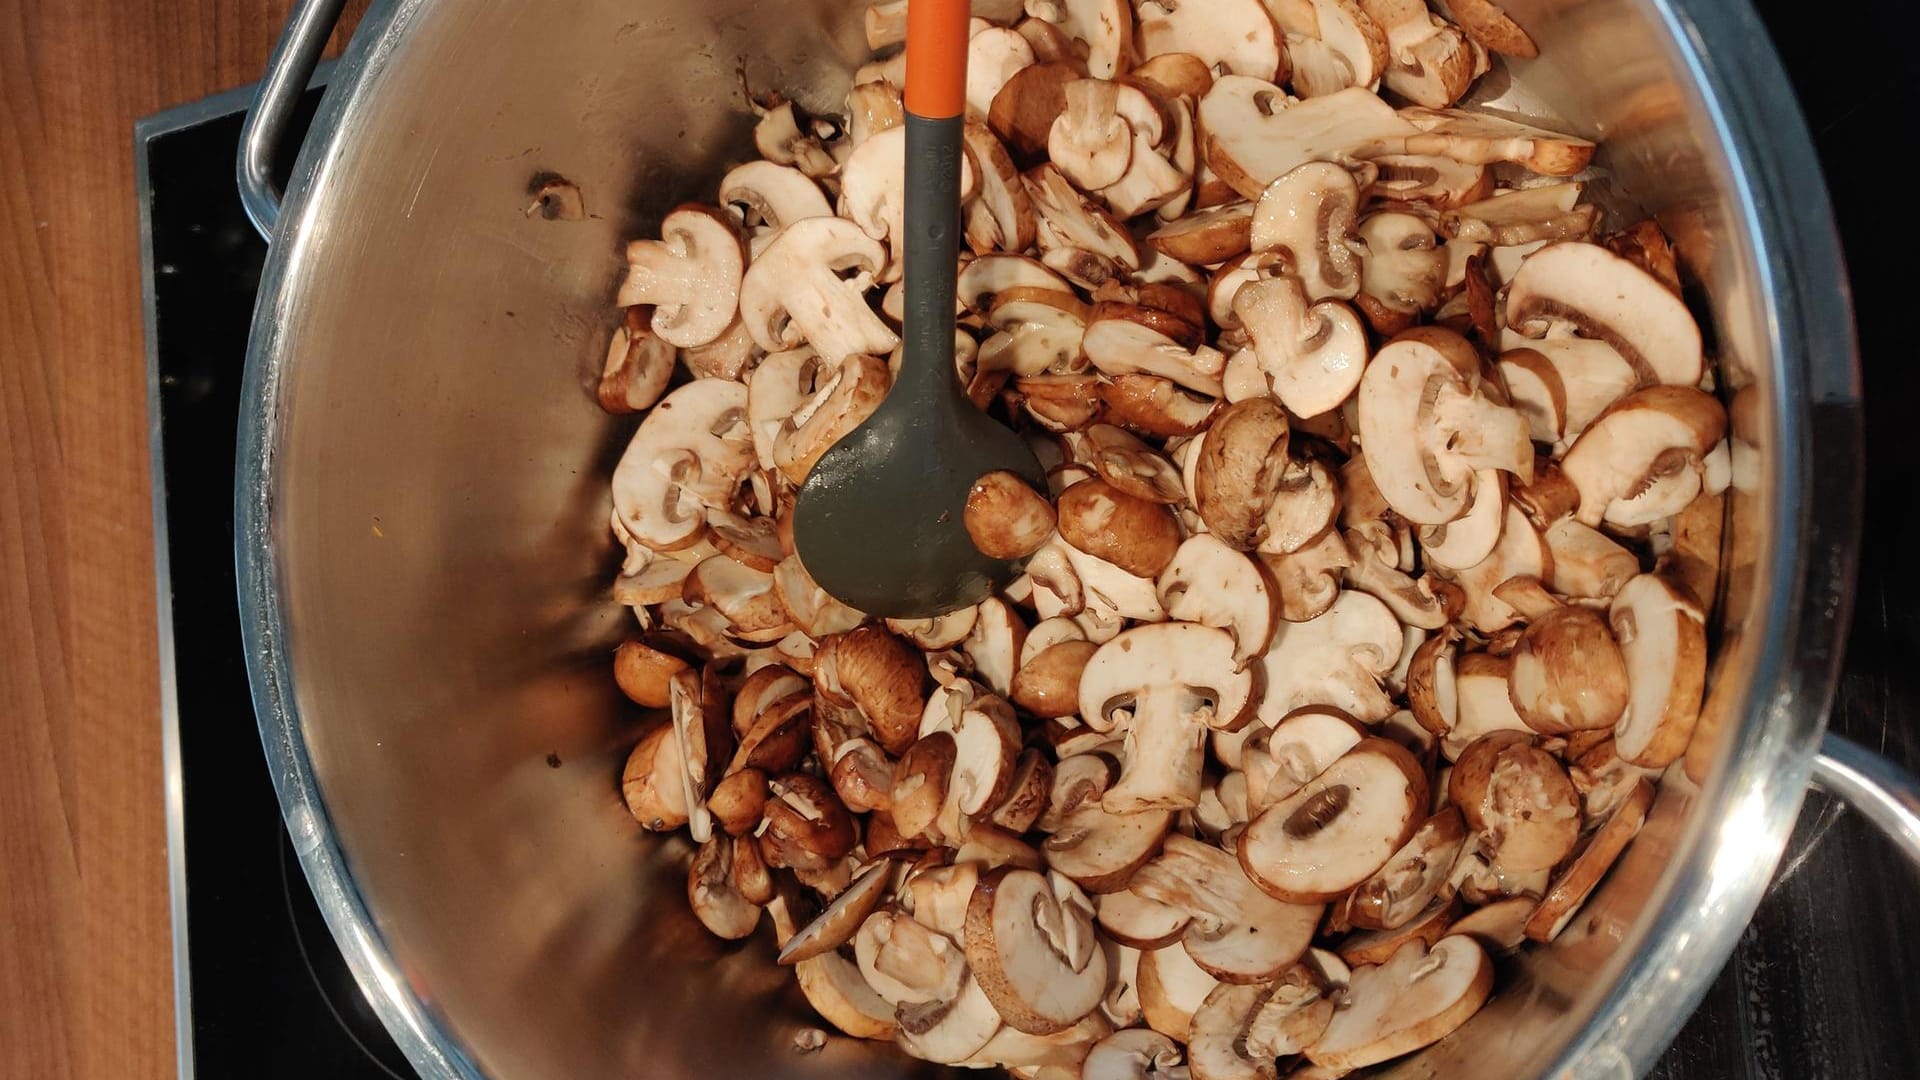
[
  {"x": 289, "y": 69},
  {"x": 1882, "y": 792}
]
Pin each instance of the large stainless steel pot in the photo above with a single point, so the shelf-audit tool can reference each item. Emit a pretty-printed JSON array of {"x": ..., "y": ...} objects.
[{"x": 423, "y": 493}]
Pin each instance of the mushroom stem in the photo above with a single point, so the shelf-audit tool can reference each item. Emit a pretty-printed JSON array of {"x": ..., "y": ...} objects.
[{"x": 1163, "y": 757}]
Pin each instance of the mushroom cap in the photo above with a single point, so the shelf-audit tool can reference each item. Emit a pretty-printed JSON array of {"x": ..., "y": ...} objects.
[
  {"x": 835, "y": 989},
  {"x": 1499, "y": 927},
  {"x": 1002, "y": 197},
  {"x": 688, "y": 455},
  {"x": 841, "y": 919},
  {"x": 1236, "y": 470},
  {"x": 1030, "y": 941},
  {"x": 1338, "y": 658},
  {"x": 1005, "y": 517},
  {"x": 1339, "y": 828},
  {"x": 1403, "y": 272},
  {"x": 1483, "y": 705},
  {"x": 1663, "y": 638},
  {"x": 1643, "y": 437},
  {"x": 1048, "y": 684},
  {"x": 1138, "y": 535},
  {"x": 692, "y": 275},
  {"x": 1519, "y": 552},
  {"x": 650, "y": 782},
  {"x": 1416, "y": 998},
  {"x": 1210, "y": 583},
  {"x": 1163, "y": 685},
  {"x": 1568, "y": 673},
  {"x": 1608, "y": 297}
]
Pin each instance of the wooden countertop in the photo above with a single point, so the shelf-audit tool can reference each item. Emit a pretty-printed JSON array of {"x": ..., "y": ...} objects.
[{"x": 86, "y": 977}]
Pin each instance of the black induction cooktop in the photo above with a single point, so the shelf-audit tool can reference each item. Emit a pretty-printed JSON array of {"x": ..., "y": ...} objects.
[{"x": 1819, "y": 987}]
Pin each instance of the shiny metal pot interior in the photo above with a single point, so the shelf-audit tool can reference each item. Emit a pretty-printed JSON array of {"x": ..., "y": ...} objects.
[{"x": 424, "y": 554}]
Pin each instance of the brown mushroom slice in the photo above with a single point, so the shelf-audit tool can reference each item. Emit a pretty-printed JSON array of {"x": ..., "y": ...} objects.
[
  {"x": 833, "y": 986},
  {"x": 639, "y": 365},
  {"x": 1490, "y": 26},
  {"x": 1482, "y": 138},
  {"x": 1163, "y": 685},
  {"x": 814, "y": 610},
  {"x": 743, "y": 595},
  {"x": 1210, "y": 236},
  {"x": 1520, "y": 552},
  {"x": 1415, "y": 602},
  {"x": 1005, "y": 518},
  {"x": 921, "y": 784},
  {"x": 952, "y": 1031},
  {"x": 905, "y": 961},
  {"x": 700, "y": 736},
  {"x": 1172, "y": 988},
  {"x": 1662, "y": 635},
  {"x": 1312, "y": 354},
  {"x": 1121, "y": 347},
  {"x": 1031, "y": 944},
  {"x": 1103, "y": 27},
  {"x": 1582, "y": 875},
  {"x": 650, "y": 782},
  {"x": 1403, "y": 272},
  {"x": 1069, "y": 221},
  {"x": 1499, "y": 927},
  {"x": 1134, "y": 920},
  {"x": 1154, "y": 406},
  {"x": 644, "y": 673},
  {"x": 1340, "y": 828},
  {"x": 873, "y": 190},
  {"x": 1646, "y": 436},
  {"x": 1610, "y": 298},
  {"x": 777, "y": 739},
  {"x": 985, "y": 279},
  {"x": 805, "y": 827},
  {"x": 1428, "y": 424},
  {"x": 939, "y": 897},
  {"x": 1045, "y": 1057},
  {"x": 1338, "y": 658},
  {"x": 1219, "y": 1046},
  {"x": 849, "y": 395},
  {"x": 1230, "y": 36},
  {"x": 1102, "y": 850},
  {"x": 779, "y": 138},
  {"x": 1048, "y": 685},
  {"x": 1137, "y": 535},
  {"x": 1428, "y": 926},
  {"x": 689, "y": 455},
  {"x": 739, "y": 800},
  {"x": 1305, "y": 505},
  {"x": 1418, "y": 997},
  {"x": 994, "y": 644},
  {"x": 1026, "y": 795},
  {"x": 994, "y": 55},
  {"x": 692, "y": 275},
  {"x": 841, "y": 919},
  {"x": 1483, "y": 704},
  {"x": 939, "y": 632},
  {"x": 1256, "y": 134},
  {"x": 1469, "y": 539},
  {"x": 1528, "y": 812},
  {"x": 1236, "y": 470},
  {"x": 1523, "y": 216},
  {"x": 1308, "y": 580},
  {"x": 1568, "y": 673},
  {"x": 1279, "y": 761},
  {"x": 1432, "y": 693},
  {"x": 795, "y": 290},
  {"x": 1132, "y": 1054},
  {"x": 1212, "y": 584},
  {"x": 1023, "y": 111},
  {"x": 1432, "y": 63},
  {"x": 1309, "y": 214},
  {"x": 1412, "y": 877},
  {"x": 1001, "y": 218},
  {"x": 1237, "y": 933}
]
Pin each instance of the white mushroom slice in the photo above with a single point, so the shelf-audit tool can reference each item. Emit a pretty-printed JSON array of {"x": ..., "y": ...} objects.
[
  {"x": 994, "y": 644},
  {"x": 1256, "y": 134},
  {"x": 1483, "y": 704},
  {"x": 1163, "y": 686},
  {"x": 1431, "y": 179},
  {"x": 849, "y": 392},
  {"x": 1583, "y": 873},
  {"x": 639, "y": 366},
  {"x": 1212, "y": 584},
  {"x": 939, "y": 632},
  {"x": 1104, "y": 26},
  {"x": 1133, "y": 1054},
  {"x": 1090, "y": 143},
  {"x": 986, "y": 749},
  {"x": 1172, "y": 987},
  {"x": 688, "y": 456},
  {"x": 1123, "y": 347},
  {"x": 1434, "y": 68},
  {"x": 1111, "y": 593},
  {"x": 1418, "y": 997},
  {"x": 1339, "y": 829},
  {"x": 1499, "y": 927},
  {"x": 1331, "y": 45},
  {"x": 1586, "y": 562},
  {"x": 841, "y": 919},
  {"x": 1412, "y": 878},
  {"x": 768, "y": 196},
  {"x": 1121, "y": 1004},
  {"x": 1645, "y": 437},
  {"x": 949, "y": 1032},
  {"x": 1068, "y": 221},
  {"x": 1044, "y": 1057},
  {"x": 1309, "y": 214},
  {"x": 814, "y": 610},
  {"x": 1568, "y": 673},
  {"x": 794, "y": 291},
  {"x": 984, "y": 280},
  {"x": 1230, "y": 36},
  {"x": 1482, "y": 139},
  {"x": 1520, "y": 552},
  {"x": 1338, "y": 658},
  {"x": 1523, "y": 216},
  {"x": 1279, "y": 761},
  {"x": 1001, "y": 217},
  {"x": 1031, "y": 944},
  {"x": 1403, "y": 272},
  {"x": 1132, "y": 919},
  {"x": 1608, "y": 297},
  {"x": 1237, "y": 933},
  {"x": 1099, "y": 849},
  {"x": 1308, "y": 580},
  {"x": 1159, "y": 174},
  {"x": 1662, "y": 634},
  {"x": 742, "y": 595},
  {"x": 1466, "y": 541},
  {"x": 1305, "y": 504},
  {"x": 873, "y": 105},
  {"x": 873, "y": 190},
  {"x": 1562, "y": 383},
  {"x": 833, "y": 986},
  {"x": 1210, "y": 236},
  {"x": 1428, "y": 424},
  {"x": 1132, "y": 466},
  {"x": 779, "y": 139},
  {"x": 1313, "y": 356},
  {"x": 728, "y": 356},
  {"x": 993, "y": 56},
  {"x": 777, "y": 390},
  {"x": 691, "y": 275}
]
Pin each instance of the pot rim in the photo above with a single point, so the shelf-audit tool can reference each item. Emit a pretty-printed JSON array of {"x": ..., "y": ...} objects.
[{"x": 1726, "y": 854}]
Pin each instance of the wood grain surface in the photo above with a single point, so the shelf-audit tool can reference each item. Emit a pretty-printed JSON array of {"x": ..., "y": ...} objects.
[{"x": 86, "y": 986}]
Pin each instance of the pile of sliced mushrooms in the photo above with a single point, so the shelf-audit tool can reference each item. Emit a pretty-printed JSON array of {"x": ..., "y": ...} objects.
[{"x": 1361, "y": 613}]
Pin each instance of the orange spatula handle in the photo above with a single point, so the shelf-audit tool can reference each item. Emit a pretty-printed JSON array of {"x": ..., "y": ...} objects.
[{"x": 937, "y": 57}]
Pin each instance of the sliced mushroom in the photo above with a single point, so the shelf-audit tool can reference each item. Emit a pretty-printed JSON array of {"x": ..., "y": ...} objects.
[
  {"x": 1432, "y": 179},
  {"x": 644, "y": 673},
  {"x": 1280, "y": 760},
  {"x": 806, "y": 827},
  {"x": 692, "y": 275},
  {"x": 1499, "y": 927},
  {"x": 1338, "y": 658},
  {"x": 1089, "y": 142},
  {"x": 1331, "y": 45},
  {"x": 1121, "y": 347},
  {"x": 994, "y": 644},
  {"x": 689, "y": 455},
  {"x": 1211, "y": 584},
  {"x": 1662, "y": 635},
  {"x": 994, "y": 55},
  {"x": 1568, "y": 673},
  {"x": 650, "y": 782},
  {"x": 1309, "y": 214},
  {"x": 1428, "y": 425},
  {"x": 1135, "y": 534},
  {"x": 1237, "y": 469},
  {"x": 743, "y": 596},
  {"x": 1048, "y": 685},
  {"x": 1313, "y": 355},
  {"x": 1132, "y": 1054},
  {"x": 1489, "y": 25},
  {"x": 1172, "y": 988},
  {"x": 1256, "y": 134},
  {"x": 1403, "y": 272},
  {"x": 1434, "y": 65},
  {"x": 1210, "y": 236},
  {"x": 1308, "y": 580},
  {"x": 882, "y": 676},
  {"x": 1134, "y": 920},
  {"x": 1030, "y": 942},
  {"x": 739, "y": 800},
  {"x": 1418, "y": 997},
  {"x": 1163, "y": 686},
  {"x": 1023, "y": 110},
  {"x": 1154, "y": 406},
  {"x": 873, "y": 191},
  {"x": 1521, "y": 801},
  {"x": 639, "y": 365},
  {"x": 1644, "y": 439},
  {"x": 766, "y": 196},
  {"x": 1412, "y": 877},
  {"x": 1068, "y": 221},
  {"x": 1236, "y": 932},
  {"x": 841, "y": 919},
  {"x": 1582, "y": 875},
  {"x": 1484, "y": 706},
  {"x": 1006, "y": 518},
  {"x": 1609, "y": 298},
  {"x": 1001, "y": 218},
  {"x": 1097, "y": 848},
  {"x": 939, "y": 632},
  {"x": 1520, "y": 551},
  {"x": 1482, "y": 138},
  {"x": 1340, "y": 828},
  {"x": 1469, "y": 539},
  {"x": 795, "y": 292}
]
